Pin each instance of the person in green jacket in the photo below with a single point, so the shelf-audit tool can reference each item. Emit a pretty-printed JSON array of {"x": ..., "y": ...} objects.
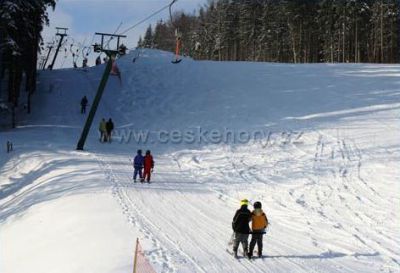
[{"x": 102, "y": 129}]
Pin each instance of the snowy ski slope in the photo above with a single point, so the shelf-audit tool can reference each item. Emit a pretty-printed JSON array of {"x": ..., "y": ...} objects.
[{"x": 324, "y": 165}]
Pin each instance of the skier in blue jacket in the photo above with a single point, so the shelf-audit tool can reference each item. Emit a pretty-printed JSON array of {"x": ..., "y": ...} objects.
[{"x": 138, "y": 163}]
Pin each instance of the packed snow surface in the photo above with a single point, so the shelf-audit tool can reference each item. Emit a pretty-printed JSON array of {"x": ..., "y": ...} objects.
[{"x": 323, "y": 159}]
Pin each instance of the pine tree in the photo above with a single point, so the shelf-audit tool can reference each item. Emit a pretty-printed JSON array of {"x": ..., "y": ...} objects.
[
  {"x": 148, "y": 38},
  {"x": 22, "y": 23},
  {"x": 288, "y": 31},
  {"x": 140, "y": 42}
]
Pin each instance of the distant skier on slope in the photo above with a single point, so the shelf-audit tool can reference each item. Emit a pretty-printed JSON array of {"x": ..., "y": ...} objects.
[
  {"x": 240, "y": 225},
  {"x": 102, "y": 129},
  {"x": 109, "y": 129},
  {"x": 98, "y": 60},
  {"x": 84, "y": 62},
  {"x": 148, "y": 166},
  {"x": 138, "y": 163},
  {"x": 84, "y": 103},
  {"x": 259, "y": 223}
]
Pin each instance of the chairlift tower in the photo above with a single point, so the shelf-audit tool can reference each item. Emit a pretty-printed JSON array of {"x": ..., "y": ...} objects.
[
  {"x": 50, "y": 47},
  {"x": 111, "y": 54},
  {"x": 62, "y": 32}
]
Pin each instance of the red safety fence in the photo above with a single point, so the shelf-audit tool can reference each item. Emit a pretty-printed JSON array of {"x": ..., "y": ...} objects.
[{"x": 140, "y": 263}]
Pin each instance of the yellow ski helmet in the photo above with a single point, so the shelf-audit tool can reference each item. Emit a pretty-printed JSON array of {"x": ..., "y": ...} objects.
[{"x": 244, "y": 202}]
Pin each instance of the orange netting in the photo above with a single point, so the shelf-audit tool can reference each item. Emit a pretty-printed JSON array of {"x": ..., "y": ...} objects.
[
  {"x": 114, "y": 69},
  {"x": 141, "y": 264}
]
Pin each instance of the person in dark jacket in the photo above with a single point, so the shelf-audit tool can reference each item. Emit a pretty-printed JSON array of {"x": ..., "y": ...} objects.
[
  {"x": 148, "y": 166},
  {"x": 84, "y": 103},
  {"x": 259, "y": 223},
  {"x": 109, "y": 129},
  {"x": 240, "y": 226},
  {"x": 138, "y": 163},
  {"x": 98, "y": 60}
]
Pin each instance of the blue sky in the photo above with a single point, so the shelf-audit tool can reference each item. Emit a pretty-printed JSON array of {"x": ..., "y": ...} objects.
[{"x": 84, "y": 17}]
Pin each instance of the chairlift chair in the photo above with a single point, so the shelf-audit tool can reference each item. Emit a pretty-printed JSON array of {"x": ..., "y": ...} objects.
[{"x": 178, "y": 36}]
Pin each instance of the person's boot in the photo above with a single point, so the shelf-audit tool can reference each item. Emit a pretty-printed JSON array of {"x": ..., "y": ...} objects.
[
  {"x": 250, "y": 253},
  {"x": 235, "y": 253},
  {"x": 245, "y": 252}
]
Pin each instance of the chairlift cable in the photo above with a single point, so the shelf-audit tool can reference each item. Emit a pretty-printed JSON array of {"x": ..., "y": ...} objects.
[
  {"x": 109, "y": 40},
  {"x": 150, "y": 16}
]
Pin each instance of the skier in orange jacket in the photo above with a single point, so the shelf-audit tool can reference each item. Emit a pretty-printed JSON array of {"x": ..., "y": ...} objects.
[
  {"x": 259, "y": 223},
  {"x": 148, "y": 166}
]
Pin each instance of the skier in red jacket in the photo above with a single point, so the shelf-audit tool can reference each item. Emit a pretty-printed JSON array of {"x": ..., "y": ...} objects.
[{"x": 148, "y": 166}]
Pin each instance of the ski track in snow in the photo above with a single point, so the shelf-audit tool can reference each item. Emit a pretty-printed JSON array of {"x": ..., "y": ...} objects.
[{"x": 125, "y": 193}]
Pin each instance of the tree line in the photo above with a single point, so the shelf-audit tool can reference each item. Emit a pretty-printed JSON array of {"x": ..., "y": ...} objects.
[
  {"x": 295, "y": 31},
  {"x": 21, "y": 23}
]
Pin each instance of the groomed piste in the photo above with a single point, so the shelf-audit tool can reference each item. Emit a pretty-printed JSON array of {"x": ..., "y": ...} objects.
[{"x": 322, "y": 155}]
